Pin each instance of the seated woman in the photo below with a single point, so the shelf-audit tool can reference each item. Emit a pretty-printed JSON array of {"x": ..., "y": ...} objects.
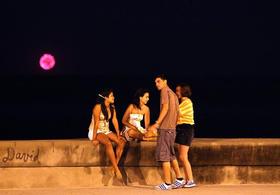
[
  {"x": 133, "y": 116},
  {"x": 99, "y": 130}
]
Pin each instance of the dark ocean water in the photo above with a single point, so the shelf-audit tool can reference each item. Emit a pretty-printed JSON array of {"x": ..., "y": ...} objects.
[{"x": 56, "y": 107}]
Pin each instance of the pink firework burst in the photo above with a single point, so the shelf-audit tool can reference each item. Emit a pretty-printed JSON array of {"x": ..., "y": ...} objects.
[{"x": 47, "y": 61}]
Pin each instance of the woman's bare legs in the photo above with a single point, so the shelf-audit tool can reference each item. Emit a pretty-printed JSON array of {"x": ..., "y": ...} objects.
[
  {"x": 183, "y": 156},
  {"x": 104, "y": 139},
  {"x": 135, "y": 134},
  {"x": 176, "y": 168},
  {"x": 120, "y": 145}
]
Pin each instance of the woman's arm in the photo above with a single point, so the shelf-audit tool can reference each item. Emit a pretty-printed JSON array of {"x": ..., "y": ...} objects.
[
  {"x": 147, "y": 117},
  {"x": 96, "y": 113},
  {"x": 126, "y": 118},
  {"x": 116, "y": 123}
]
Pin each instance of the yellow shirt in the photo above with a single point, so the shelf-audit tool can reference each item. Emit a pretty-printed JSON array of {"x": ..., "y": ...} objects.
[{"x": 186, "y": 112}]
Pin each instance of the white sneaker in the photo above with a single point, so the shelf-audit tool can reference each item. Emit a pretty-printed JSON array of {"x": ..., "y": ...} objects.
[
  {"x": 163, "y": 186},
  {"x": 190, "y": 184},
  {"x": 178, "y": 184}
]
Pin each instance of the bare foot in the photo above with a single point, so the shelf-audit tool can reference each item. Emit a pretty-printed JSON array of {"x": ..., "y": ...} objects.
[
  {"x": 119, "y": 175},
  {"x": 111, "y": 171}
]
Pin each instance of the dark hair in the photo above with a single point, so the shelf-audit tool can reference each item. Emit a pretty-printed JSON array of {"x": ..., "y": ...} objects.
[
  {"x": 161, "y": 76},
  {"x": 139, "y": 93},
  {"x": 101, "y": 100},
  {"x": 185, "y": 90}
]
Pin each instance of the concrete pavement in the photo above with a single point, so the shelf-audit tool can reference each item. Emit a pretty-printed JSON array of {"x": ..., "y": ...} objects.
[{"x": 244, "y": 189}]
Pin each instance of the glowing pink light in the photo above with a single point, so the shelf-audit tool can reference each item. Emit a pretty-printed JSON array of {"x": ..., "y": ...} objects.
[{"x": 47, "y": 61}]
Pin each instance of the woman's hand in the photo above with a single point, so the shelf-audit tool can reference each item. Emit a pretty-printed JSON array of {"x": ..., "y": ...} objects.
[{"x": 153, "y": 127}]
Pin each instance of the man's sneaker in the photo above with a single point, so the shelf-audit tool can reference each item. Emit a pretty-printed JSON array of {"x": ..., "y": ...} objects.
[
  {"x": 163, "y": 186},
  {"x": 189, "y": 184},
  {"x": 178, "y": 184}
]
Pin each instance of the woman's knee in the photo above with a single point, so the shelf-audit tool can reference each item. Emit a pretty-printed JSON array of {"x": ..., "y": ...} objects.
[
  {"x": 183, "y": 157},
  {"x": 131, "y": 133},
  {"x": 134, "y": 134},
  {"x": 107, "y": 144},
  {"x": 121, "y": 142}
]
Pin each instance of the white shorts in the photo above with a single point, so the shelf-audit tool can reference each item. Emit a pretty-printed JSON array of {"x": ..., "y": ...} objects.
[{"x": 90, "y": 133}]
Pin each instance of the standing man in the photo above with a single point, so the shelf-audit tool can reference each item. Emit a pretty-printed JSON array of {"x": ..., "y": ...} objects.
[{"x": 166, "y": 125}]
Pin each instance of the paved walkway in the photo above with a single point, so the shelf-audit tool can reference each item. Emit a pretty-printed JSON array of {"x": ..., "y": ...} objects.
[{"x": 148, "y": 190}]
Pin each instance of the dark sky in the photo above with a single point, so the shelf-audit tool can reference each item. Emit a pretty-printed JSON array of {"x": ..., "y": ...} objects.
[
  {"x": 198, "y": 37},
  {"x": 227, "y": 50}
]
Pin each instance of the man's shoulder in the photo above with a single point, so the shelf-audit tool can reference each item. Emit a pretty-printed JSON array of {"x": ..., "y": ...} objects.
[
  {"x": 164, "y": 91},
  {"x": 172, "y": 92},
  {"x": 167, "y": 90}
]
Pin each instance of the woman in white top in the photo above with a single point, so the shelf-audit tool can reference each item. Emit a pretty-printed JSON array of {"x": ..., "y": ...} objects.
[
  {"x": 99, "y": 130},
  {"x": 134, "y": 114}
]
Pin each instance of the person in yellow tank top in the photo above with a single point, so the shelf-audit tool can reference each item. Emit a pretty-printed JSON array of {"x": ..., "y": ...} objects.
[
  {"x": 186, "y": 112},
  {"x": 185, "y": 130}
]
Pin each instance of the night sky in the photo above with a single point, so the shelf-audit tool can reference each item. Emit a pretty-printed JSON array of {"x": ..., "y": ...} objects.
[{"x": 227, "y": 51}]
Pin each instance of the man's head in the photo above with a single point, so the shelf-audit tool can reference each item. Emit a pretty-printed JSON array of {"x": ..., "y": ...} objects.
[{"x": 161, "y": 81}]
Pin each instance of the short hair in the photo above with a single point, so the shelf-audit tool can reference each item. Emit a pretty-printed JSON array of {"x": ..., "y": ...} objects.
[
  {"x": 161, "y": 76},
  {"x": 185, "y": 90}
]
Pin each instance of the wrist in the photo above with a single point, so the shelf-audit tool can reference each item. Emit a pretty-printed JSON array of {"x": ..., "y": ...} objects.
[{"x": 157, "y": 124}]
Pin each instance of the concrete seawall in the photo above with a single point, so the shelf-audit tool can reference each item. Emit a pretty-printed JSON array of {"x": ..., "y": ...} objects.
[{"x": 77, "y": 163}]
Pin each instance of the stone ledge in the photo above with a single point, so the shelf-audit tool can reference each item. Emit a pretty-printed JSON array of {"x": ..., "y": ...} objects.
[{"x": 80, "y": 152}]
